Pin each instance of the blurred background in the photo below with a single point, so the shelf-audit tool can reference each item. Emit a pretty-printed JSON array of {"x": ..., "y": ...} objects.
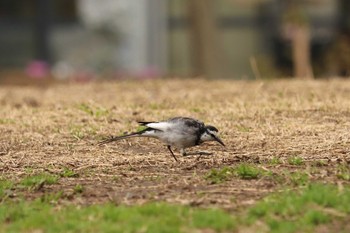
[{"x": 233, "y": 39}]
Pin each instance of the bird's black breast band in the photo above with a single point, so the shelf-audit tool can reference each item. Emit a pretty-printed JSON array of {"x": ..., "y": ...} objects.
[{"x": 199, "y": 134}]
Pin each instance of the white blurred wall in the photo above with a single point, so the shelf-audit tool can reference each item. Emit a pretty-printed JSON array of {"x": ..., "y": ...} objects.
[{"x": 126, "y": 36}]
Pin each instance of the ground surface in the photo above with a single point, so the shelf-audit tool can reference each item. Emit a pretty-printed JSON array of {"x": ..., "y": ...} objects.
[{"x": 297, "y": 129}]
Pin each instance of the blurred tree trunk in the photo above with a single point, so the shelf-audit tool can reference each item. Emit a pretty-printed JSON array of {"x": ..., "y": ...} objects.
[
  {"x": 205, "y": 43},
  {"x": 297, "y": 25},
  {"x": 301, "y": 52},
  {"x": 42, "y": 30},
  {"x": 344, "y": 19},
  {"x": 339, "y": 59}
]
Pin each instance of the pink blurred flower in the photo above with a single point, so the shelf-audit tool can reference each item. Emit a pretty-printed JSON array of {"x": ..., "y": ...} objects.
[{"x": 37, "y": 69}]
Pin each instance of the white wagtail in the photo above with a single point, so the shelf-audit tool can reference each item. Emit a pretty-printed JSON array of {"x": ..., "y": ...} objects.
[{"x": 179, "y": 132}]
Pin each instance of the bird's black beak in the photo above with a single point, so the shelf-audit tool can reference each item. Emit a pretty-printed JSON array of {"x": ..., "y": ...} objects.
[{"x": 219, "y": 140}]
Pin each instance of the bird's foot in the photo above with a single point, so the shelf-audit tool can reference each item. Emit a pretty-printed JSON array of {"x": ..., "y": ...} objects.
[
  {"x": 198, "y": 153},
  {"x": 203, "y": 153}
]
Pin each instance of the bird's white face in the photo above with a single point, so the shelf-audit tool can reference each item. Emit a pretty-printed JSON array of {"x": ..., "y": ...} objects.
[
  {"x": 208, "y": 136},
  {"x": 211, "y": 135}
]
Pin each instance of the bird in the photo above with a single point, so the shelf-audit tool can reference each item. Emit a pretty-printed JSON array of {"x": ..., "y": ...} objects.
[{"x": 178, "y": 132}]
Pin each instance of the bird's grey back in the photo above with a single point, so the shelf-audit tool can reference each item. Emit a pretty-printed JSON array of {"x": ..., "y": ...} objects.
[
  {"x": 183, "y": 132},
  {"x": 187, "y": 121},
  {"x": 190, "y": 127}
]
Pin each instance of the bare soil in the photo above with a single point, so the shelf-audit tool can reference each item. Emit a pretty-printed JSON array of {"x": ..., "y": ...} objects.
[{"x": 56, "y": 127}]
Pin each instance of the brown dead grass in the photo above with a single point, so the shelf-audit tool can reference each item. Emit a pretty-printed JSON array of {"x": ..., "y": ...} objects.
[{"x": 43, "y": 129}]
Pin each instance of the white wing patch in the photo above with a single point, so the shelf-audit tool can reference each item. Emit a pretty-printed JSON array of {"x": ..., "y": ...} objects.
[{"x": 163, "y": 126}]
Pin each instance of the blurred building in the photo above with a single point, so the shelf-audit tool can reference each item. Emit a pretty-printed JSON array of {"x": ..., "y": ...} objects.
[{"x": 152, "y": 37}]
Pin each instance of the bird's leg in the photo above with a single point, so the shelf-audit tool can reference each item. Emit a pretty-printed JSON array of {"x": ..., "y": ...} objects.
[{"x": 169, "y": 148}]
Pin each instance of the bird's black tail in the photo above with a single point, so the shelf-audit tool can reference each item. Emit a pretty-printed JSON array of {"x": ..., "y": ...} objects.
[
  {"x": 117, "y": 138},
  {"x": 145, "y": 122}
]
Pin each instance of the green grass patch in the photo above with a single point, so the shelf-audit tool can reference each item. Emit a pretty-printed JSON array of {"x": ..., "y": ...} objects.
[
  {"x": 196, "y": 110},
  {"x": 68, "y": 173},
  {"x": 156, "y": 106},
  {"x": 51, "y": 197},
  {"x": 78, "y": 188},
  {"x": 140, "y": 128},
  {"x": 80, "y": 131},
  {"x": 299, "y": 178},
  {"x": 154, "y": 217},
  {"x": 220, "y": 175},
  {"x": 86, "y": 108},
  {"x": 243, "y": 128},
  {"x": 5, "y": 187},
  {"x": 4, "y": 121},
  {"x": 320, "y": 163},
  {"x": 343, "y": 172},
  {"x": 302, "y": 210},
  {"x": 77, "y": 131},
  {"x": 93, "y": 111},
  {"x": 243, "y": 171},
  {"x": 39, "y": 180},
  {"x": 248, "y": 171},
  {"x": 295, "y": 160},
  {"x": 275, "y": 161}
]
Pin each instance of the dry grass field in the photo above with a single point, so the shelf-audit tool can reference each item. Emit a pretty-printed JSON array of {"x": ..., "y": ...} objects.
[{"x": 278, "y": 134}]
